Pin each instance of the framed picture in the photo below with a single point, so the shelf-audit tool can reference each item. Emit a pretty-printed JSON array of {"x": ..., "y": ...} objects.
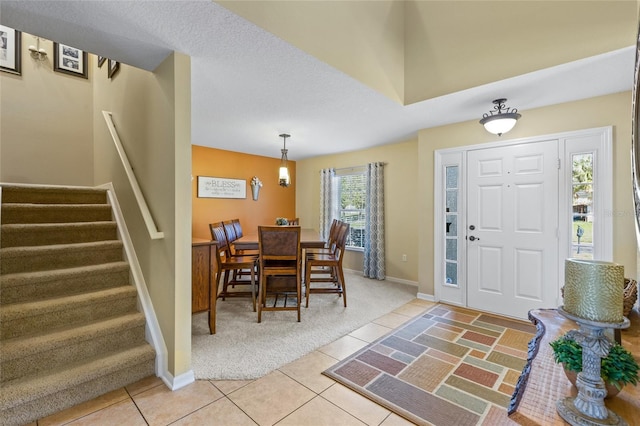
[
  {"x": 69, "y": 60},
  {"x": 213, "y": 187},
  {"x": 10, "y": 50},
  {"x": 101, "y": 60},
  {"x": 113, "y": 67}
]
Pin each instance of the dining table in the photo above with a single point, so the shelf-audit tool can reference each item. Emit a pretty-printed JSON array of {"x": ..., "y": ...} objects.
[{"x": 309, "y": 238}]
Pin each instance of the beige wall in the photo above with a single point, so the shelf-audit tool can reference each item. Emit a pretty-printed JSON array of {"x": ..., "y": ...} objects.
[
  {"x": 401, "y": 202},
  {"x": 413, "y": 50},
  {"x": 613, "y": 110},
  {"x": 152, "y": 114},
  {"x": 46, "y": 125},
  {"x": 444, "y": 55},
  {"x": 364, "y": 39}
]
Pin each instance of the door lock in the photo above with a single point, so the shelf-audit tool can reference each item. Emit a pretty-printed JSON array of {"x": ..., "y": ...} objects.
[{"x": 472, "y": 227}]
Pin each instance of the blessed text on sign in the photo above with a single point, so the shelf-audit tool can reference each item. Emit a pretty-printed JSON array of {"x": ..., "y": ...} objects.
[{"x": 213, "y": 187}]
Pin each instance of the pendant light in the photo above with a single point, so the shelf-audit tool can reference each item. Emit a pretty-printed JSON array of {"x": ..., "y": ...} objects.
[
  {"x": 501, "y": 119},
  {"x": 284, "y": 179}
]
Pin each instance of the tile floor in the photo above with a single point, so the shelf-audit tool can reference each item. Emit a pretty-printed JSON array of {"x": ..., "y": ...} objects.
[{"x": 295, "y": 394}]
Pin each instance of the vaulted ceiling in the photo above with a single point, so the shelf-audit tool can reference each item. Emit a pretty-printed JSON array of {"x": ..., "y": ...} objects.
[{"x": 345, "y": 75}]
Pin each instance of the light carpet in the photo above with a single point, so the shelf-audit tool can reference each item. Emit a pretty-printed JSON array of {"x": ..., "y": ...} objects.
[
  {"x": 448, "y": 366},
  {"x": 242, "y": 349}
]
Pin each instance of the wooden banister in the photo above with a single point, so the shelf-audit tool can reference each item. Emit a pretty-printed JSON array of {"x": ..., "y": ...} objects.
[{"x": 142, "y": 203}]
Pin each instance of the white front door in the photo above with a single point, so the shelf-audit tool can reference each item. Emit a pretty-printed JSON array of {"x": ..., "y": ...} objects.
[{"x": 512, "y": 228}]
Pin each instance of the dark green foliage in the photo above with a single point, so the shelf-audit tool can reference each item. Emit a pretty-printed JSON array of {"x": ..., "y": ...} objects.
[{"x": 618, "y": 368}]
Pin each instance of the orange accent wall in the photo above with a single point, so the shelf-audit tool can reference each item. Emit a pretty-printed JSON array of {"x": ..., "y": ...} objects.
[{"x": 274, "y": 201}]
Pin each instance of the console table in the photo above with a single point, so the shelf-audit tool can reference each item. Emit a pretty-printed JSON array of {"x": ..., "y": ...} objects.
[
  {"x": 203, "y": 273},
  {"x": 534, "y": 401}
]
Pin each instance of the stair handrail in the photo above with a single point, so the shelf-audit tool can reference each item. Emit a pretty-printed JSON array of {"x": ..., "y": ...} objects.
[{"x": 142, "y": 203}]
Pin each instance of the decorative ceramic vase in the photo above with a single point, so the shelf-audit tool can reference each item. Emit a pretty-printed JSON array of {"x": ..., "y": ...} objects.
[
  {"x": 256, "y": 184},
  {"x": 593, "y": 290}
]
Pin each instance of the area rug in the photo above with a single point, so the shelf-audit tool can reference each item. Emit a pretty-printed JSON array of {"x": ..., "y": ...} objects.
[
  {"x": 242, "y": 349},
  {"x": 448, "y": 366}
]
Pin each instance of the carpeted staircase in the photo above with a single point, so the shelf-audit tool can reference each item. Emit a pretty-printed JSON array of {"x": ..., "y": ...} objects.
[{"x": 70, "y": 329}]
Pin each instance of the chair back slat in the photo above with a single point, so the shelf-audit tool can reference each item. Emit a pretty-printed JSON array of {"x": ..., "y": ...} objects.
[
  {"x": 218, "y": 235},
  {"x": 238, "y": 228},
  {"x": 230, "y": 231},
  {"x": 333, "y": 233},
  {"x": 342, "y": 241}
]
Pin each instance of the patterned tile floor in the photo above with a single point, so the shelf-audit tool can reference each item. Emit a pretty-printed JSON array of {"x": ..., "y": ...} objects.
[{"x": 297, "y": 393}]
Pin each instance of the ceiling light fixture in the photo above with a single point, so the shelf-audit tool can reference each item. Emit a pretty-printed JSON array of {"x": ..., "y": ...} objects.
[
  {"x": 285, "y": 180},
  {"x": 501, "y": 119}
]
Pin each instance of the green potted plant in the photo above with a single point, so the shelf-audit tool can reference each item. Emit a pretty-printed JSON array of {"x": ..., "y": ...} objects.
[
  {"x": 617, "y": 369},
  {"x": 281, "y": 221}
]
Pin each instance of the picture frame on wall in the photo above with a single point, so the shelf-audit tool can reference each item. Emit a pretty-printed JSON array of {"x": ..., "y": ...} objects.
[
  {"x": 70, "y": 60},
  {"x": 101, "y": 61},
  {"x": 10, "y": 57},
  {"x": 215, "y": 187},
  {"x": 114, "y": 66}
]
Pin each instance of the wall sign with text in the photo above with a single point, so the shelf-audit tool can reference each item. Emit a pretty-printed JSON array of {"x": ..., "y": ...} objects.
[{"x": 213, "y": 187}]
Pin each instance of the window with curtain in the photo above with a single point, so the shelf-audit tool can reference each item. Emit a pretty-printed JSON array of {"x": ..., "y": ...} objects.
[
  {"x": 352, "y": 192},
  {"x": 356, "y": 196}
]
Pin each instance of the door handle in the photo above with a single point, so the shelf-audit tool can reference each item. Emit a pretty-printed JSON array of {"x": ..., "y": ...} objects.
[{"x": 472, "y": 238}]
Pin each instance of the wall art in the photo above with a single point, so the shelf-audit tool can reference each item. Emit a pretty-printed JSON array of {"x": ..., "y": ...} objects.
[{"x": 69, "y": 60}]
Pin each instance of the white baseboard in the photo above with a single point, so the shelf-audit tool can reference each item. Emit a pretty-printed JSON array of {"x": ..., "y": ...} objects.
[
  {"x": 175, "y": 383},
  {"x": 392, "y": 279},
  {"x": 425, "y": 296}
]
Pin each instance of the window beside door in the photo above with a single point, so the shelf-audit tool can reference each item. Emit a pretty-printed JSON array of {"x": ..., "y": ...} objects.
[
  {"x": 451, "y": 225},
  {"x": 582, "y": 191}
]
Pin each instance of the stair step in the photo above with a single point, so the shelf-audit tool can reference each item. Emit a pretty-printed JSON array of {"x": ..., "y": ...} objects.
[
  {"x": 33, "y": 286},
  {"x": 30, "y": 318},
  {"x": 27, "y": 399},
  {"x": 60, "y": 256},
  {"x": 70, "y": 329},
  {"x": 54, "y": 213},
  {"x": 41, "y": 234},
  {"x": 52, "y": 194},
  {"x": 51, "y": 351}
]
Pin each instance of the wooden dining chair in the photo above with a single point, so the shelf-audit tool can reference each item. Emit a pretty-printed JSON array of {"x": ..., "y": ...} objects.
[
  {"x": 228, "y": 265},
  {"x": 231, "y": 232},
  {"x": 280, "y": 265},
  {"x": 330, "y": 248},
  {"x": 327, "y": 268}
]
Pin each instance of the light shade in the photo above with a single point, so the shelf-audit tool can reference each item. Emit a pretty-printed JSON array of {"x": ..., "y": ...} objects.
[
  {"x": 501, "y": 119},
  {"x": 284, "y": 179}
]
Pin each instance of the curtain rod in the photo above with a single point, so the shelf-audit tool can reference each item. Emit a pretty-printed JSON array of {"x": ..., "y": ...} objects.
[{"x": 356, "y": 167}]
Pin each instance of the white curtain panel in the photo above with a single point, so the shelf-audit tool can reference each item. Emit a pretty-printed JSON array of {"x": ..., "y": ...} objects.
[
  {"x": 374, "y": 223},
  {"x": 328, "y": 194}
]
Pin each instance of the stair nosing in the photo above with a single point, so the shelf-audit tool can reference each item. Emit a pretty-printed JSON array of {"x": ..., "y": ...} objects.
[
  {"x": 16, "y": 347},
  {"x": 57, "y": 225},
  {"x": 22, "y": 250},
  {"x": 61, "y": 205},
  {"x": 16, "y": 279},
  {"x": 14, "y": 311}
]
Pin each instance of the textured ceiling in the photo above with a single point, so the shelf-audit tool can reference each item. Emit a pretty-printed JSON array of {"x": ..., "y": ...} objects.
[{"x": 248, "y": 85}]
